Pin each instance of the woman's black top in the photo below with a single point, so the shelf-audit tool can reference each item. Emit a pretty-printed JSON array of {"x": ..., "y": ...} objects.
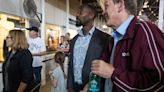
[{"x": 18, "y": 68}]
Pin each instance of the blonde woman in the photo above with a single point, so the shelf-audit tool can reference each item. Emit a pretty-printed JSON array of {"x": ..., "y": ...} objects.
[{"x": 17, "y": 68}]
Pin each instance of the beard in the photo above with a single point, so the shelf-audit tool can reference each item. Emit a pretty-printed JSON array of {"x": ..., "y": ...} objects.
[
  {"x": 81, "y": 22},
  {"x": 78, "y": 23}
]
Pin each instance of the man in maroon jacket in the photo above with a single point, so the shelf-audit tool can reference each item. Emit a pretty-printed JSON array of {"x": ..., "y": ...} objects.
[{"x": 137, "y": 59}]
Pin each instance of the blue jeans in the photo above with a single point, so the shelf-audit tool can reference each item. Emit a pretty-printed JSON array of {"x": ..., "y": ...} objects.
[{"x": 37, "y": 76}]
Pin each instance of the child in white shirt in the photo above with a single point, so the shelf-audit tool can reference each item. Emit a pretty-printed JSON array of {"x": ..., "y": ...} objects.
[{"x": 57, "y": 75}]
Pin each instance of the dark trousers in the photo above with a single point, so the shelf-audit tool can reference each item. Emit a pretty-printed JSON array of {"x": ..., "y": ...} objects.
[
  {"x": 37, "y": 77},
  {"x": 78, "y": 87}
]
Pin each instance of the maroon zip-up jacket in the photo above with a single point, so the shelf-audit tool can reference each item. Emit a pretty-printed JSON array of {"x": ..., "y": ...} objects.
[{"x": 138, "y": 59}]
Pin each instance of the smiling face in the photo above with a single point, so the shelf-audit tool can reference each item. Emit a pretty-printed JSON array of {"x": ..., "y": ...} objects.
[{"x": 111, "y": 13}]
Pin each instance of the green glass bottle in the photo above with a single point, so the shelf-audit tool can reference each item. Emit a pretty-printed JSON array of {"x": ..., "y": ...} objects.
[{"x": 94, "y": 83}]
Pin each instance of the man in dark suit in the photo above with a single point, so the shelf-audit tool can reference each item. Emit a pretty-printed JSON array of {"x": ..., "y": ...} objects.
[{"x": 86, "y": 46}]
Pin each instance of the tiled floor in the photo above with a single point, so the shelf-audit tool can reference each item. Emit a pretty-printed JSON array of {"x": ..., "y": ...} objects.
[{"x": 47, "y": 87}]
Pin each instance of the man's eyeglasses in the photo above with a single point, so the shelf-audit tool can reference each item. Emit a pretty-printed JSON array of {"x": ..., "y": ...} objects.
[{"x": 8, "y": 37}]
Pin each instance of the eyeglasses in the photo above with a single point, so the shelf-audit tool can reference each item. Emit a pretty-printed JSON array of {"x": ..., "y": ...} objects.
[{"x": 8, "y": 37}]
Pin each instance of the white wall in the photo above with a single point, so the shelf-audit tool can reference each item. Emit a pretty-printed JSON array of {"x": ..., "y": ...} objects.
[
  {"x": 15, "y": 7},
  {"x": 57, "y": 16},
  {"x": 54, "y": 15}
]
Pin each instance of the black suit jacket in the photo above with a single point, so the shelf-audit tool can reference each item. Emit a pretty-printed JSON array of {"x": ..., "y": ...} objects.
[
  {"x": 99, "y": 41},
  {"x": 19, "y": 70}
]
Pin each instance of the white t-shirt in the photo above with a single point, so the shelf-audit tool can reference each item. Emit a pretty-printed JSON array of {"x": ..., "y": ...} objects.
[
  {"x": 36, "y": 45},
  {"x": 58, "y": 75}
]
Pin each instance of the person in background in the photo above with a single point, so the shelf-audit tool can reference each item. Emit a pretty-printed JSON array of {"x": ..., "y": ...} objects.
[
  {"x": 67, "y": 37},
  {"x": 5, "y": 49},
  {"x": 86, "y": 46},
  {"x": 17, "y": 68},
  {"x": 137, "y": 60},
  {"x": 64, "y": 45},
  {"x": 58, "y": 75},
  {"x": 67, "y": 43},
  {"x": 37, "y": 48},
  {"x": 61, "y": 41}
]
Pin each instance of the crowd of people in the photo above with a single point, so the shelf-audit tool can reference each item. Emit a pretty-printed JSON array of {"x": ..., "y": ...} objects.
[{"x": 130, "y": 60}]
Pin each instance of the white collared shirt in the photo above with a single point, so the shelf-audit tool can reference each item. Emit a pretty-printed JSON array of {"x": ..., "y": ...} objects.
[{"x": 79, "y": 53}]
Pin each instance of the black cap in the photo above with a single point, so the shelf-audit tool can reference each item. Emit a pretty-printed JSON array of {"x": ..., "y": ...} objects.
[{"x": 33, "y": 29}]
